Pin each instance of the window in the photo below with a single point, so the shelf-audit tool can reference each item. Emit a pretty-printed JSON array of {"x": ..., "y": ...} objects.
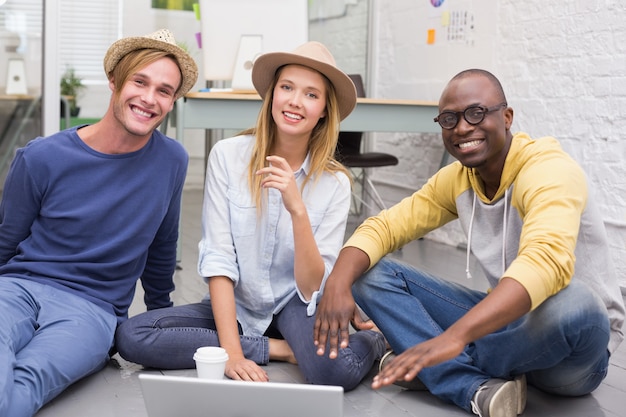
[
  {"x": 86, "y": 30},
  {"x": 20, "y": 18},
  {"x": 20, "y": 38}
]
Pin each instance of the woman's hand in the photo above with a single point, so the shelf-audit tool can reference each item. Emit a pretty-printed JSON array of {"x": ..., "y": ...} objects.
[
  {"x": 280, "y": 176},
  {"x": 243, "y": 369}
]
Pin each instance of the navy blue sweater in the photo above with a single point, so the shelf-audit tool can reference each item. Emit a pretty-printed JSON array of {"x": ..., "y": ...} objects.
[{"x": 92, "y": 223}]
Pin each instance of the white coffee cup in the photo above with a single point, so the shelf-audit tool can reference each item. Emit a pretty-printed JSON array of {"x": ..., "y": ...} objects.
[{"x": 210, "y": 362}]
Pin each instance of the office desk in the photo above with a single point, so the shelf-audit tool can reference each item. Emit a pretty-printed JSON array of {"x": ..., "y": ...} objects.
[{"x": 239, "y": 111}]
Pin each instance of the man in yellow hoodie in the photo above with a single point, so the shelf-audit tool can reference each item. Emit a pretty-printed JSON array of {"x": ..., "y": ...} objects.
[{"x": 554, "y": 311}]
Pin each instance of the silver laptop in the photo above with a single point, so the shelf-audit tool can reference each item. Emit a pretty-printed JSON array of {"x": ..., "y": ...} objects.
[{"x": 180, "y": 396}]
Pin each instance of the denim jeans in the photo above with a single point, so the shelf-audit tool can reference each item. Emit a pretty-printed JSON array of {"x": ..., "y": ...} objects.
[
  {"x": 49, "y": 339},
  {"x": 561, "y": 346},
  {"x": 167, "y": 339}
]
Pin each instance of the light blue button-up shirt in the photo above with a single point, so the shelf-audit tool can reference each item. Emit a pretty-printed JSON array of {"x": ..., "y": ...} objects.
[{"x": 257, "y": 252}]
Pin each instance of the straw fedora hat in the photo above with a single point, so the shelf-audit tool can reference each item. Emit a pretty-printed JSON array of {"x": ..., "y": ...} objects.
[
  {"x": 313, "y": 55},
  {"x": 162, "y": 40}
]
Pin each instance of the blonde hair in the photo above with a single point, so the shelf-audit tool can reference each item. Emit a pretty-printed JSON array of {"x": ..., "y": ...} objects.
[
  {"x": 321, "y": 147},
  {"x": 136, "y": 60}
]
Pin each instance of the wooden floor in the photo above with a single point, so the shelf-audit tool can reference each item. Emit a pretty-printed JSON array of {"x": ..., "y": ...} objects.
[{"x": 115, "y": 391}]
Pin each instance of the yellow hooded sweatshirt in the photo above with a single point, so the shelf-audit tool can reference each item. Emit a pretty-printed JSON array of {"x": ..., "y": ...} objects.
[{"x": 539, "y": 229}]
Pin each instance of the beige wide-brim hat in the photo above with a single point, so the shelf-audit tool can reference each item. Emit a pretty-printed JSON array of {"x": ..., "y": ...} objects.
[
  {"x": 162, "y": 40},
  {"x": 313, "y": 55}
]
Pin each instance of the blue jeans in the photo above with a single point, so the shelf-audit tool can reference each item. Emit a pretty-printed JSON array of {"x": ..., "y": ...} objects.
[
  {"x": 561, "y": 346},
  {"x": 49, "y": 339},
  {"x": 167, "y": 339}
]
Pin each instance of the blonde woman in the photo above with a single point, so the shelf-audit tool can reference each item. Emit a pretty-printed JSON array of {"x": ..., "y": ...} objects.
[{"x": 275, "y": 210}]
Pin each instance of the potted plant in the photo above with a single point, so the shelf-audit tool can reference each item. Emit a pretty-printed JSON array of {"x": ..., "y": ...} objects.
[{"x": 71, "y": 86}]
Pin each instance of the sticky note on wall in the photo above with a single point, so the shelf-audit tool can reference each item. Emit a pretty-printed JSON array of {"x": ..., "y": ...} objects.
[
  {"x": 430, "y": 39},
  {"x": 445, "y": 18}
]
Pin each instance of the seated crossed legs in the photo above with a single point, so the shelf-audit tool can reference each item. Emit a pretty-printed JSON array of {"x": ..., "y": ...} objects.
[
  {"x": 167, "y": 339},
  {"x": 561, "y": 347}
]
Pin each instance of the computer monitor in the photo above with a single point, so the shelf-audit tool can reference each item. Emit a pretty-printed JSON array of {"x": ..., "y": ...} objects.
[{"x": 254, "y": 25}]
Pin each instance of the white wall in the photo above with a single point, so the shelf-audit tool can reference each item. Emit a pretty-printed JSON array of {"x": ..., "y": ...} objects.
[
  {"x": 344, "y": 32},
  {"x": 563, "y": 67}
]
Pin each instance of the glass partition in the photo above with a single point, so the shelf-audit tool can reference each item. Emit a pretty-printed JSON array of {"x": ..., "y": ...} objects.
[{"x": 21, "y": 25}]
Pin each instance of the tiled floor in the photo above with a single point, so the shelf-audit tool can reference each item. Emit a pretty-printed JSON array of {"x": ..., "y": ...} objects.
[{"x": 115, "y": 391}]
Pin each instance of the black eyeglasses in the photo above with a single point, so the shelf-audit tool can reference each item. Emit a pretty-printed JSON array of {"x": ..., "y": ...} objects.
[{"x": 472, "y": 115}]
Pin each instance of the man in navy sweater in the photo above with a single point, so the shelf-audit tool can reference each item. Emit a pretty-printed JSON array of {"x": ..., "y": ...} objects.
[{"x": 85, "y": 213}]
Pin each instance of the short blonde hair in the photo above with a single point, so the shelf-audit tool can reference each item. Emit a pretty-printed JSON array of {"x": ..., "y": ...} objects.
[{"x": 136, "y": 60}]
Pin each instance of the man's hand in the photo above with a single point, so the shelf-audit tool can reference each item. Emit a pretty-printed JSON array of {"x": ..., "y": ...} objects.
[
  {"x": 407, "y": 365},
  {"x": 333, "y": 316},
  {"x": 508, "y": 301},
  {"x": 337, "y": 307}
]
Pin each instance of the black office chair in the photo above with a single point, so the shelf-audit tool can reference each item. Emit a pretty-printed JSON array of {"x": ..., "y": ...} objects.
[{"x": 349, "y": 154}]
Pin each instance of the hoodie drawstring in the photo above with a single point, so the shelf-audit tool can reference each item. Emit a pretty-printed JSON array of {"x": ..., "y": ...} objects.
[
  {"x": 504, "y": 221},
  {"x": 469, "y": 239}
]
